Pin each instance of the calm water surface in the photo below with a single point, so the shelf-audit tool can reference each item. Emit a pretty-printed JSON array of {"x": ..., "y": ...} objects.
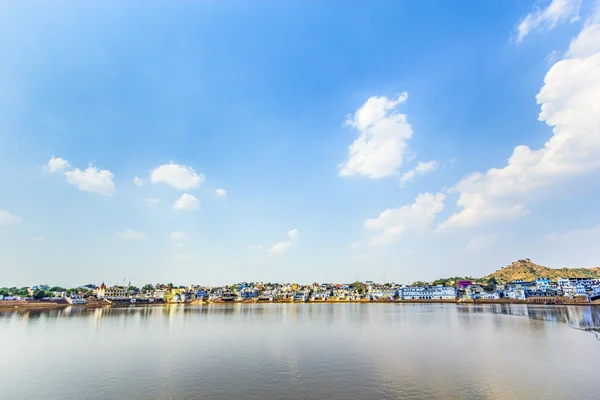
[{"x": 302, "y": 351}]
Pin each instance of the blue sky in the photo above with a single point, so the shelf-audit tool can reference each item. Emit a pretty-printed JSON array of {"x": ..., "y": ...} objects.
[{"x": 314, "y": 118}]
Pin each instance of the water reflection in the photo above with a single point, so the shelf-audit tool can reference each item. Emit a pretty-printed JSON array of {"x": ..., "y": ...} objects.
[
  {"x": 579, "y": 317},
  {"x": 304, "y": 351}
]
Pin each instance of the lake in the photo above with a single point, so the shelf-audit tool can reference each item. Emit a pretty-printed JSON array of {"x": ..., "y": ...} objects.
[{"x": 301, "y": 351}]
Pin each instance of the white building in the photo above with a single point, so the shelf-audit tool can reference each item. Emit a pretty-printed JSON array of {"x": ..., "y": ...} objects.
[
  {"x": 543, "y": 283},
  {"x": 428, "y": 293},
  {"x": 75, "y": 299},
  {"x": 321, "y": 295},
  {"x": 381, "y": 293},
  {"x": 517, "y": 293}
]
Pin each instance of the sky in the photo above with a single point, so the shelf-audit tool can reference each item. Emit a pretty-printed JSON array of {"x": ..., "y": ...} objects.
[{"x": 213, "y": 142}]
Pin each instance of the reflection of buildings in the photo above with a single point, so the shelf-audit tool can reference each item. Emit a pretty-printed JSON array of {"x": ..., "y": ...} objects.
[{"x": 582, "y": 317}]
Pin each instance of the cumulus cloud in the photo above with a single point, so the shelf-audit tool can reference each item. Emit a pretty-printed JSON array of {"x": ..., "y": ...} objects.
[
  {"x": 137, "y": 181},
  {"x": 178, "y": 176},
  {"x": 477, "y": 209},
  {"x": 221, "y": 192},
  {"x": 558, "y": 11},
  {"x": 281, "y": 247},
  {"x": 379, "y": 149},
  {"x": 422, "y": 168},
  {"x": 394, "y": 223},
  {"x": 57, "y": 164},
  {"x": 186, "y": 202},
  {"x": 129, "y": 234},
  {"x": 8, "y": 219},
  {"x": 92, "y": 180},
  {"x": 569, "y": 102}
]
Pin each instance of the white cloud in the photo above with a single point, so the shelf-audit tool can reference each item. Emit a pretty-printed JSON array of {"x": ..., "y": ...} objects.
[
  {"x": 281, "y": 247},
  {"x": 422, "y": 168},
  {"x": 152, "y": 201},
  {"x": 8, "y": 219},
  {"x": 57, "y": 164},
  {"x": 379, "y": 149},
  {"x": 178, "y": 176},
  {"x": 392, "y": 224},
  {"x": 569, "y": 104},
  {"x": 186, "y": 202},
  {"x": 558, "y": 11},
  {"x": 38, "y": 239},
  {"x": 92, "y": 180},
  {"x": 221, "y": 192},
  {"x": 586, "y": 43},
  {"x": 137, "y": 181},
  {"x": 178, "y": 236},
  {"x": 294, "y": 234},
  {"x": 129, "y": 234},
  {"x": 476, "y": 209},
  {"x": 479, "y": 243},
  {"x": 574, "y": 235}
]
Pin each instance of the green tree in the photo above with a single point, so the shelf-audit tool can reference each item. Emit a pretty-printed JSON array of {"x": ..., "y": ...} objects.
[
  {"x": 39, "y": 294},
  {"x": 147, "y": 288},
  {"x": 358, "y": 286}
]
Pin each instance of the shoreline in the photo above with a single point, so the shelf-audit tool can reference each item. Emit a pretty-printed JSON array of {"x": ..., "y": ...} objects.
[{"x": 17, "y": 305}]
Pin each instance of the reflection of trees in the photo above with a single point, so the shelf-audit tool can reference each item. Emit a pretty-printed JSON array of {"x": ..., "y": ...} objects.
[{"x": 582, "y": 317}]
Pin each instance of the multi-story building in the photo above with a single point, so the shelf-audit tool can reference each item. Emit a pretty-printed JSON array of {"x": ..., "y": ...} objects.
[
  {"x": 516, "y": 292},
  {"x": 247, "y": 293},
  {"x": 112, "y": 293},
  {"x": 428, "y": 293},
  {"x": 463, "y": 283},
  {"x": 542, "y": 283},
  {"x": 383, "y": 292},
  {"x": 474, "y": 291}
]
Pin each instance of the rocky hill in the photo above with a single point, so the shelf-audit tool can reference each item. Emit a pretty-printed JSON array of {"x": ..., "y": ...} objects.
[{"x": 525, "y": 269}]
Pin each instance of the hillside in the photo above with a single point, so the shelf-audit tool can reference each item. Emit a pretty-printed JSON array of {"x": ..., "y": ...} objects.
[{"x": 525, "y": 269}]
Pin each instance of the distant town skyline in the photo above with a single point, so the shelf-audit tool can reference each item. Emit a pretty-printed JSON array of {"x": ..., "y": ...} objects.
[{"x": 292, "y": 141}]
